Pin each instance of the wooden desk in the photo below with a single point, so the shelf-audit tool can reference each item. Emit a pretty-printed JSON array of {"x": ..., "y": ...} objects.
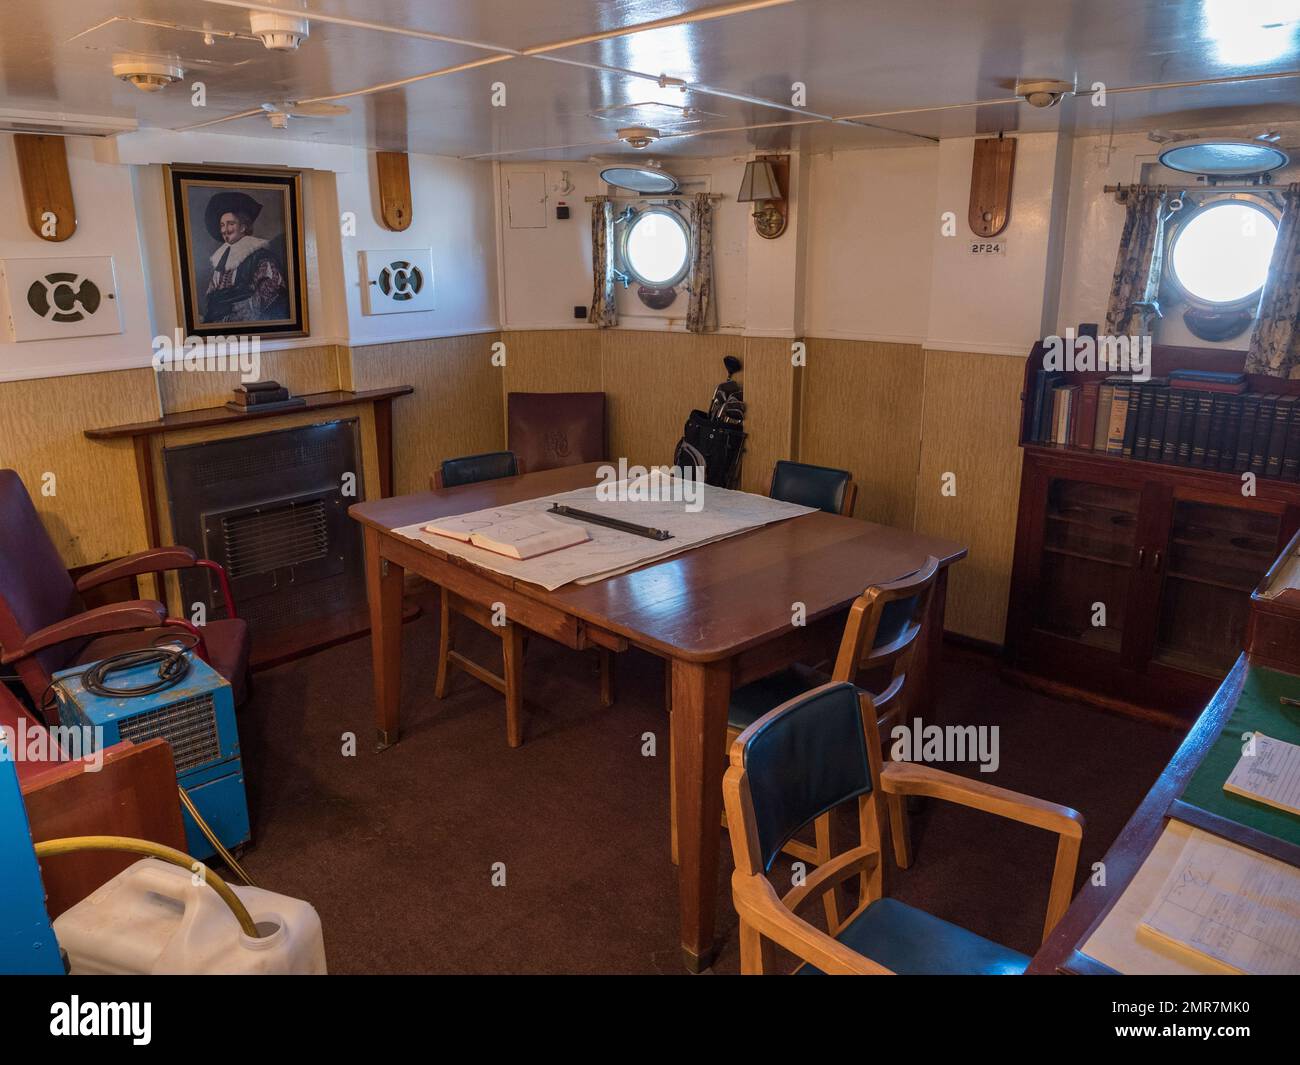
[{"x": 721, "y": 614}]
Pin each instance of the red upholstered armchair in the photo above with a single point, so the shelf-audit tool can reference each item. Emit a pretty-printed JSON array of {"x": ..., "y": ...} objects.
[{"x": 44, "y": 623}]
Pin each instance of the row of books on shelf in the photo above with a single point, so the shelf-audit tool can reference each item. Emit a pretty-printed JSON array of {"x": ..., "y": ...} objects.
[{"x": 1195, "y": 418}]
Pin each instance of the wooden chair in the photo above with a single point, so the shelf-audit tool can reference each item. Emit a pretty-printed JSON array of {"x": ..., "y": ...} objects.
[
  {"x": 809, "y": 756},
  {"x": 822, "y": 487},
  {"x": 469, "y": 470},
  {"x": 879, "y": 639}
]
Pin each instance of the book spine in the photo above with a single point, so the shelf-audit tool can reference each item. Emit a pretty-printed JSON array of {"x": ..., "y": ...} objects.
[
  {"x": 1156, "y": 434},
  {"x": 1085, "y": 425},
  {"x": 1118, "y": 420},
  {"x": 1201, "y": 428},
  {"x": 1246, "y": 435},
  {"x": 1277, "y": 438},
  {"x": 1131, "y": 424},
  {"x": 1218, "y": 425},
  {"x": 1186, "y": 429},
  {"x": 1173, "y": 420},
  {"x": 1263, "y": 434},
  {"x": 1142, "y": 440},
  {"x": 1291, "y": 463},
  {"x": 1101, "y": 429},
  {"x": 1231, "y": 429}
]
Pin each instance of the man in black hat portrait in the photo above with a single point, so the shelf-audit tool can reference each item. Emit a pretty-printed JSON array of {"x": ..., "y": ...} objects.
[{"x": 229, "y": 218}]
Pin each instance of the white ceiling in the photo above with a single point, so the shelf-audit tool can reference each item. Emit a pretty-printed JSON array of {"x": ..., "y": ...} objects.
[{"x": 877, "y": 72}]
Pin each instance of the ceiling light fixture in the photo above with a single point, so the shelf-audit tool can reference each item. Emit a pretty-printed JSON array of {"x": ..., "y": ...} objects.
[
  {"x": 639, "y": 137},
  {"x": 1043, "y": 92},
  {"x": 147, "y": 75}
]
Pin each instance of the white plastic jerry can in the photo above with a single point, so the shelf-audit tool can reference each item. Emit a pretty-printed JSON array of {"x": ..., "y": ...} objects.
[{"x": 153, "y": 918}]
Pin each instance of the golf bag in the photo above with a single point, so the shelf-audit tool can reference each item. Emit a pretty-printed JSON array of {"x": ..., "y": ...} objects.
[{"x": 715, "y": 441}]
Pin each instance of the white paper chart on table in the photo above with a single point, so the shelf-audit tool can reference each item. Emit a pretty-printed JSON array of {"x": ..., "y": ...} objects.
[{"x": 1231, "y": 904}]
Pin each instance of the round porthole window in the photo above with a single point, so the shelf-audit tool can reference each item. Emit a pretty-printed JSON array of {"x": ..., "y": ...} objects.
[
  {"x": 657, "y": 248},
  {"x": 1219, "y": 255}
]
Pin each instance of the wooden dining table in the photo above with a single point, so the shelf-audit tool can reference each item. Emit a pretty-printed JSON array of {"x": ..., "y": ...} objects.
[{"x": 721, "y": 615}]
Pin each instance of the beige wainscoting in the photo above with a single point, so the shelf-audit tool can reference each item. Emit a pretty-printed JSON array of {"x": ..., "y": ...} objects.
[
  {"x": 94, "y": 513},
  {"x": 654, "y": 379},
  {"x": 862, "y": 412},
  {"x": 456, "y": 406},
  {"x": 970, "y": 428},
  {"x": 301, "y": 370}
]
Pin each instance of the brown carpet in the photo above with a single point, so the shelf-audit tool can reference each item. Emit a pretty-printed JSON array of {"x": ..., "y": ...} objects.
[{"x": 396, "y": 850}]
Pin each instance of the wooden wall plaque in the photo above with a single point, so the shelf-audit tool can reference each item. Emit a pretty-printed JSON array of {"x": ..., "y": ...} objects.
[
  {"x": 394, "y": 189},
  {"x": 990, "y": 185},
  {"x": 47, "y": 188}
]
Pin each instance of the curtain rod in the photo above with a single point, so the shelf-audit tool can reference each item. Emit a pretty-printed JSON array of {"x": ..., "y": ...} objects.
[{"x": 1196, "y": 188}]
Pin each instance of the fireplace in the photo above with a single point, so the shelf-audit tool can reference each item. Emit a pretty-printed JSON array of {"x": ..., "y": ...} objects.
[{"x": 272, "y": 509}]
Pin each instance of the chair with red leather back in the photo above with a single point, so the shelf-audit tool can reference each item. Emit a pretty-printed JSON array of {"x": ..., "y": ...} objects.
[
  {"x": 550, "y": 429},
  {"x": 44, "y": 623}
]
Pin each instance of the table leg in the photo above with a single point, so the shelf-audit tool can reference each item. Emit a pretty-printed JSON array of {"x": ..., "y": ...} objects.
[
  {"x": 384, "y": 593},
  {"x": 700, "y": 692}
]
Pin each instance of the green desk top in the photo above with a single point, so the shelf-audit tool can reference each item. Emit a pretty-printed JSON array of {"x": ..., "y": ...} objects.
[{"x": 1258, "y": 710}]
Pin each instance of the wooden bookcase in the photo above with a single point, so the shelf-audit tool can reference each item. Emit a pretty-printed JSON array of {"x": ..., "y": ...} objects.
[{"x": 1132, "y": 580}]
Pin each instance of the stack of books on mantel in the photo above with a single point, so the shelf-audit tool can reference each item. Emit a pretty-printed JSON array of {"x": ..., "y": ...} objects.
[
  {"x": 262, "y": 396},
  {"x": 1196, "y": 418}
]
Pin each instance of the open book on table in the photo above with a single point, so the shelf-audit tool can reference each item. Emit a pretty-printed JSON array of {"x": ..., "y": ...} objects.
[{"x": 518, "y": 538}]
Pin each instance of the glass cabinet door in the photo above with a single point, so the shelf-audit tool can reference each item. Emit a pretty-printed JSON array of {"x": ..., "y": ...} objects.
[
  {"x": 1217, "y": 555},
  {"x": 1089, "y": 549}
]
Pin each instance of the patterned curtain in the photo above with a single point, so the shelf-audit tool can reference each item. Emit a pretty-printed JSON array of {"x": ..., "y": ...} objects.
[
  {"x": 604, "y": 311},
  {"x": 1275, "y": 345},
  {"x": 702, "y": 311},
  {"x": 1135, "y": 286}
]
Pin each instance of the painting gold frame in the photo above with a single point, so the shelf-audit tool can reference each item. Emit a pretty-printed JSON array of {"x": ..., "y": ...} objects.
[{"x": 179, "y": 180}]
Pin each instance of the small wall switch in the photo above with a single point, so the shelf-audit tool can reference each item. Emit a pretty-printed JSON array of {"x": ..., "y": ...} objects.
[
  {"x": 562, "y": 211},
  {"x": 580, "y": 312}
]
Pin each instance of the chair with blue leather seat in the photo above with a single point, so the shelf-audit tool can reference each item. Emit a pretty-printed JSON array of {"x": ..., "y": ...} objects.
[
  {"x": 470, "y": 469},
  {"x": 822, "y": 487},
  {"x": 473, "y": 469},
  {"x": 809, "y": 756},
  {"x": 879, "y": 639}
]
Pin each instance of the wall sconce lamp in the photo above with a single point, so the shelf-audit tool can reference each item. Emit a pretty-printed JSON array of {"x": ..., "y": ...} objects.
[{"x": 762, "y": 185}]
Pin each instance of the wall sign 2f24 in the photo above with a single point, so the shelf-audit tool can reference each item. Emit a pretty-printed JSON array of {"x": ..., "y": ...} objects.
[{"x": 985, "y": 248}]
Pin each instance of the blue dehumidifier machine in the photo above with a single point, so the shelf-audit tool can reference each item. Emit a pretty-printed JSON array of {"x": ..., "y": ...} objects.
[{"x": 196, "y": 716}]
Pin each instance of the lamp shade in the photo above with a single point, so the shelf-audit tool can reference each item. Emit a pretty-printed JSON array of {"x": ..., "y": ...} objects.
[{"x": 759, "y": 183}]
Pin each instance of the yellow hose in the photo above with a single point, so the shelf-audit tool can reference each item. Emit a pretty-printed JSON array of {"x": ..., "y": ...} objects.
[
  {"x": 153, "y": 850},
  {"x": 226, "y": 856}
]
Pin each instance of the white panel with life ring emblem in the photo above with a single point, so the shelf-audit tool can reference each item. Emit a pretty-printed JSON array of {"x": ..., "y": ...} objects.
[
  {"x": 397, "y": 280},
  {"x": 50, "y": 299}
]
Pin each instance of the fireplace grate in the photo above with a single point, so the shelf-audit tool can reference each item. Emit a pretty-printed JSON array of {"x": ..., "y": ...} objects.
[{"x": 266, "y": 539}]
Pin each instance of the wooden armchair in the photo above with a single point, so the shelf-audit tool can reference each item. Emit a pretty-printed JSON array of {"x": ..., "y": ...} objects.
[
  {"x": 802, "y": 760},
  {"x": 44, "y": 623}
]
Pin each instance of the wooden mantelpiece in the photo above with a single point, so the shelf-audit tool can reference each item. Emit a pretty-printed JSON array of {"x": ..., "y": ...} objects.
[
  {"x": 150, "y": 438},
  {"x": 198, "y": 419},
  {"x": 210, "y": 417}
]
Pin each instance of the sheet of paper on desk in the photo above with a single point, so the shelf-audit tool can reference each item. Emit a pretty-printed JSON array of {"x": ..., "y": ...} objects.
[
  {"x": 721, "y": 513},
  {"x": 1268, "y": 773},
  {"x": 1227, "y": 903}
]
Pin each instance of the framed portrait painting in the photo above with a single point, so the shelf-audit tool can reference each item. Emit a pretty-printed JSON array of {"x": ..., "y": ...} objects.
[{"x": 237, "y": 242}]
